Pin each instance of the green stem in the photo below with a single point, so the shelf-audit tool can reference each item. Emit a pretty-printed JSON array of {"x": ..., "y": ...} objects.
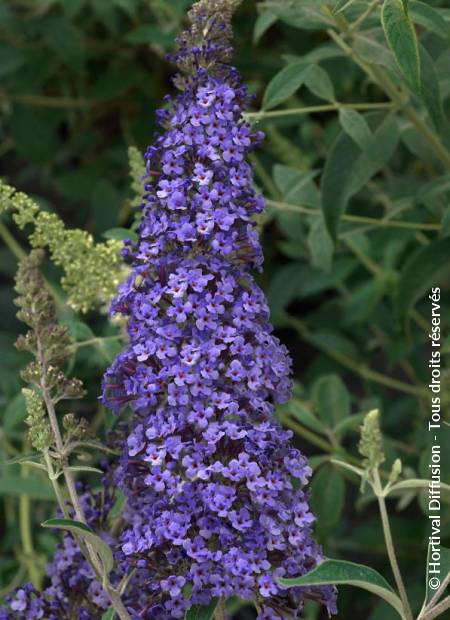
[
  {"x": 220, "y": 613},
  {"x": 327, "y": 107},
  {"x": 436, "y": 596},
  {"x": 380, "y": 78},
  {"x": 321, "y": 443},
  {"x": 362, "y": 18},
  {"x": 374, "y": 269},
  {"x": 308, "y": 435},
  {"x": 43, "y": 101},
  {"x": 265, "y": 179},
  {"x": 7, "y": 445},
  {"x": 390, "y": 545},
  {"x": 11, "y": 243},
  {"x": 357, "y": 219},
  {"x": 95, "y": 341},
  {"x": 86, "y": 548},
  {"x": 55, "y": 484},
  {"x": 357, "y": 368},
  {"x": 27, "y": 537},
  {"x": 368, "y": 263},
  {"x": 436, "y": 611}
]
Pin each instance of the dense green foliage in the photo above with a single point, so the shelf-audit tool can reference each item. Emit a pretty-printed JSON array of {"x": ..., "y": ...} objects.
[{"x": 354, "y": 97}]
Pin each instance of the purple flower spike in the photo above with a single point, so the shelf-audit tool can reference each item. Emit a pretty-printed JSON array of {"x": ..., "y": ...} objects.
[{"x": 207, "y": 470}]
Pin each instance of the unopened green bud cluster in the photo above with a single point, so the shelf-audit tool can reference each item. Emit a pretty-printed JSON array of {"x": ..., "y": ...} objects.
[
  {"x": 92, "y": 271},
  {"x": 40, "y": 433},
  {"x": 371, "y": 443},
  {"x": 49, "y": 344}
]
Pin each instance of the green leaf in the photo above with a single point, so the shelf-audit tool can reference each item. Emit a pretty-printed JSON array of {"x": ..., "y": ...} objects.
[
  {"x": 71, "y": 8},
  {"x": 109, "y": 615},
  {"x": 120, "y": 234},
  {"x": 430, "y": 89},
  {"x": 284, "y": 84},
  {"x": 415, "y": 483},
  {"x": 428, "y": 17},
  {"x": 331, "y": 399},
  {"x": 350, "y": 423},
  {"x": 106, "y": 202},
  {"x": 373, "y": 50},
  {"x": 66, "y": 40},
  {"x": 151, "y": 35},
  {"x": 297, "y": 186},
  {"x": 119, "y": 504},
  {"x": 262, "y": 24},
  {"x": 340, "y": 572},
  {"x": 33, "y": 487},
  {"x": 356, "y": 470},
  {"x": 11, "y": 59},
  {"x": 426, "y": 268},
  {"x": 85, "y": 468},
  {"x": 129, "y": 6},
  {"x": 434, "y": 189},
  {"x": 445, "y": 223},
  {"x": 305, "y": 17},
  {"x": 107, "y": 14},
  {"x": 319, "y": 83},
  {"x": 356, "y": 126},
  {"x": 31, "y": 456},
  {"x": 282, "y": 290},
  {"x": 14, "y": 414},
  {"x": 300, "y": 412},
  {"x": 327, "y": 497},
  {"x": 402, "y": 40},
  {"x": 85, "y": 532},
  {"x": 347, "y": 169},
  {"x": 35, "y": 133},
  {"x": 78, "y": 330},
  {"x": 341, "y": 5},
  {"x": 202, "y": 612},
  {"x": 320, "y": 245}
]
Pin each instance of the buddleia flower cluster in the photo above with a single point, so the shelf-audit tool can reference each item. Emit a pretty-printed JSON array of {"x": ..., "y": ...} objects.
[{"x": 216, "y": 499}]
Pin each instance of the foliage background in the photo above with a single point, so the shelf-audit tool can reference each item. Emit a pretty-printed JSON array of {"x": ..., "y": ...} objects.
[{"x": 80, "y": 81}]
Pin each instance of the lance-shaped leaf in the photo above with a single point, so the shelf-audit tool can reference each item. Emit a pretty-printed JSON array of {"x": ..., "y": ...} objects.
[
  {"x": 262, "y": 24},
  {"x": 426, "y": 268},
  {"x": 84, "y": 468},
  {"x": 347, "y": 169},
  {"x": 355, "y": 125},
  {"x": 34, "y": 488},
  {"x": 327, "y": 497},
  {"x": 318, "y": 81},
  {"x": 85, "y": 532},
  {"x": 202, "y": 612},
  {"x": 402, "y": 40},
  {"x": 428, "y": 17},
  {"x": 341, "y": 5},
  {"x": 284, "y": 84},
  {"x": 331, "y": 399},
  {"x": 340, "y": 572},
  {"x": 23, "y": 458},
  {"x": 431, "y": 91},
  {"x": 416, "y": 483},
  {"x": 120, "y": 234},
  {"x": 109, "y": 615}
]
